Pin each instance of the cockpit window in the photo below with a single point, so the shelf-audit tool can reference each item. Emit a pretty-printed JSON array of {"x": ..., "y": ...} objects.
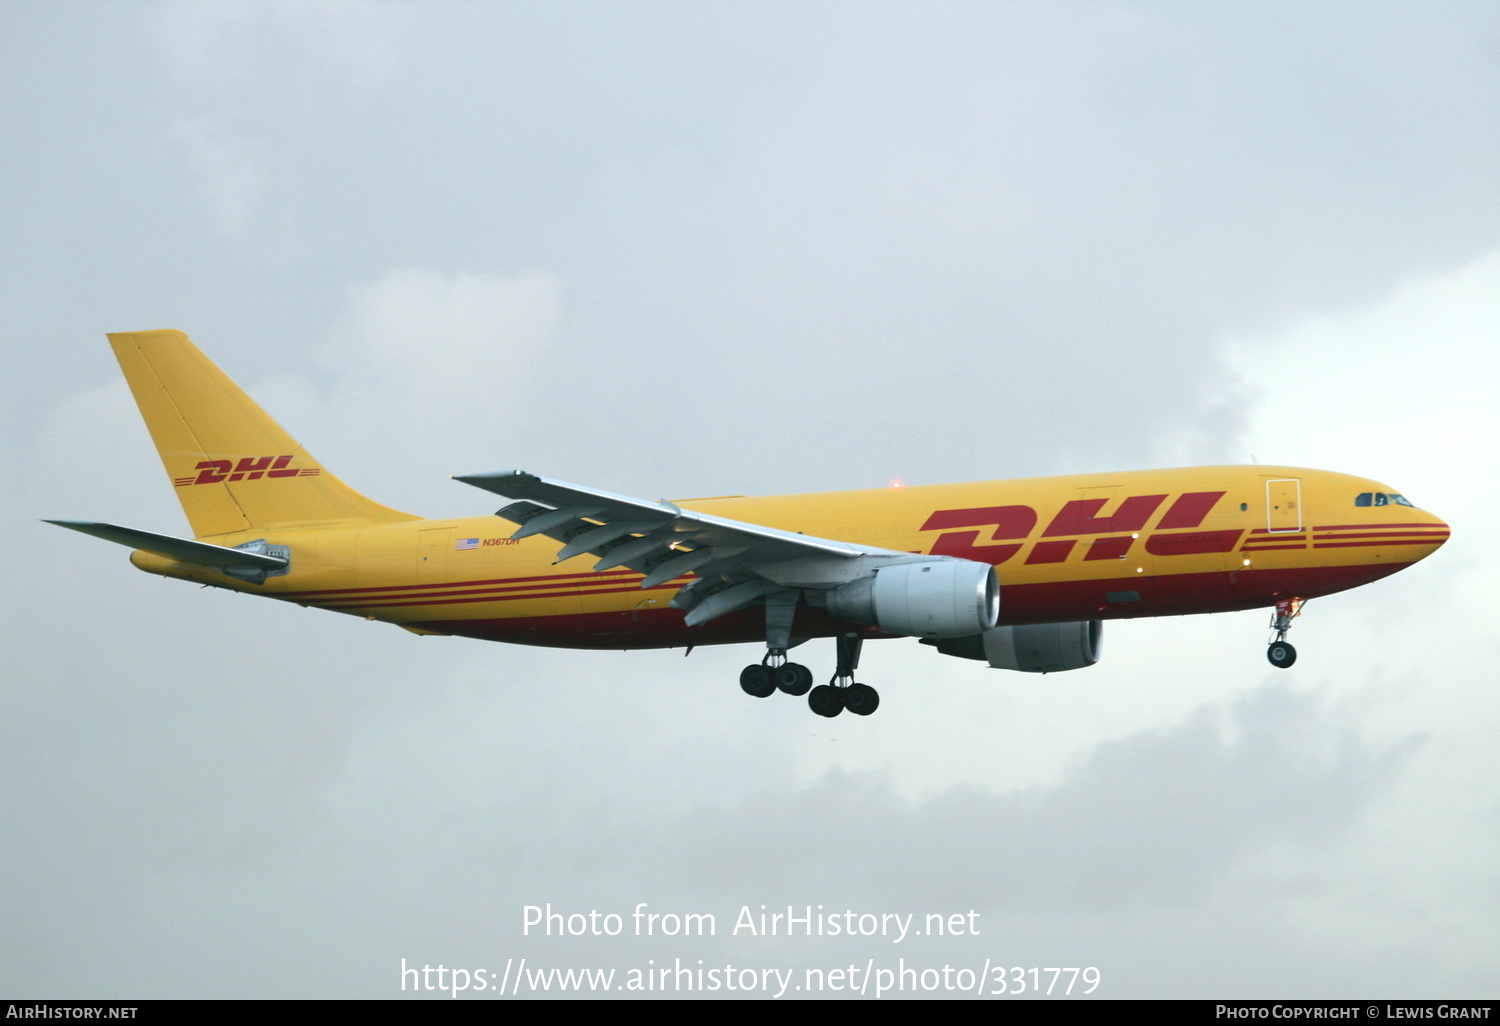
[{"x": 1381, "y": 499}]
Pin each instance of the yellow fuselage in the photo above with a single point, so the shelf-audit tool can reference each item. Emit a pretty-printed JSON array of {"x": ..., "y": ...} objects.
[{"x": 1096, "y": 546}]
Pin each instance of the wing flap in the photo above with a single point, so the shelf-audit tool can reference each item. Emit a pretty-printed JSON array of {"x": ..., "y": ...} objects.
[{"x": 664, "y": 541}]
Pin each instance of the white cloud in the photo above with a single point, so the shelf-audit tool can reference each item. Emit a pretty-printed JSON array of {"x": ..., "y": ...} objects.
[
  {"x": 459, "y": 343},
  {"x": 1400, "y": 390},
  {"x": 428, "y": 373}
]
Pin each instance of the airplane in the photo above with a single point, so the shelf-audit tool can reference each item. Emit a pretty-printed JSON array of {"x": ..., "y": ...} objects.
[{"x": 1016, "y": 574}]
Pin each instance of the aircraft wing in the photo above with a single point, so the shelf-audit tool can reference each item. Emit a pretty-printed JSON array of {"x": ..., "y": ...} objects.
[{"x": 736, "y": 562}]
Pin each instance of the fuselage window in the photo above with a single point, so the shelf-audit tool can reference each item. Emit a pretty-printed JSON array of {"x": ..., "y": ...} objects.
[{"x": 1362, "y": 499}]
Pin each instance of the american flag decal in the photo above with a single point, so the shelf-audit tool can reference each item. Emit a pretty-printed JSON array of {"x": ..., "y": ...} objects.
[{"x": 466, "y": 543}]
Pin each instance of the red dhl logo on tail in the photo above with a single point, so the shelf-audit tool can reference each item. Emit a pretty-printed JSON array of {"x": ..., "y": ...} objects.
[
  {"x": 249, "y": 468},
  {"x": 1079, "y": 517}
]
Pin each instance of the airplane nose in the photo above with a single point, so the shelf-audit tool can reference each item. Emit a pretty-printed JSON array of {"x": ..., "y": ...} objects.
[{"x": 1438, "y": 532}]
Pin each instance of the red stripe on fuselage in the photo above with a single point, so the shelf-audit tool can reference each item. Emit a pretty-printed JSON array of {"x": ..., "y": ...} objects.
[
  {"x": 1366, "y": 527},
  {"x": 1059, "y": 602},
  {"x": 504, "y": 581},
  {"x": 1373, "y": 544},
  {"x": 1426, "y": 535},
  {"x": 352, "y": 604},
  {"x": 520, "y": 592}
]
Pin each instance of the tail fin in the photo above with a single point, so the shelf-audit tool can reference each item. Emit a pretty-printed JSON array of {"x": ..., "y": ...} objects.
[{"x": 234, "y": 468}]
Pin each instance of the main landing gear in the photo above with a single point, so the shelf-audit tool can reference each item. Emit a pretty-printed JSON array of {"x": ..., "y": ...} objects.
[
  {"x": 776, "y": 673},
  {"x": 842, "y": 692},
  {"x": 1280, "y": 652}
]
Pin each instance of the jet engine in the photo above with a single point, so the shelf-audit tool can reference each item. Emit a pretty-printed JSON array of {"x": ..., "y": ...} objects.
[
  {"x": 944, "y": 598},
  {"x": 1031, "y": 648}
]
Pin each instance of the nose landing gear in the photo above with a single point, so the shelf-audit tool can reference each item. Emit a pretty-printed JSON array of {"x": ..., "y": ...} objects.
[{"x": 1280, "y": 652}]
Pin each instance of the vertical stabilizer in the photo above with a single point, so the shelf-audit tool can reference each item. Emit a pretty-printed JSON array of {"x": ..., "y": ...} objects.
[{"x": 233, "y": 467}]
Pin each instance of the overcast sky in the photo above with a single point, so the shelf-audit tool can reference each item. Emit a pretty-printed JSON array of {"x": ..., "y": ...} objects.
[{"x": 697, "y": 249}]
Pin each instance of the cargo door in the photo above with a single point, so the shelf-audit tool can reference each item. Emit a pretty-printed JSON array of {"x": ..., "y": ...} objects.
[
  {"x": 1284, "y": 505},
  {"x": 432, "y": 554}
]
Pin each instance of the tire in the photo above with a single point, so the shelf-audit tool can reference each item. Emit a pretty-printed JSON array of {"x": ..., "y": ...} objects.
[
  {"x": 861, "y": 699},
  {"x": 1281, "y": 654},
  {"x": 826, "y": 700},
  {"x": 794, "y": 678},
  {"x": 757, "y": 681}
]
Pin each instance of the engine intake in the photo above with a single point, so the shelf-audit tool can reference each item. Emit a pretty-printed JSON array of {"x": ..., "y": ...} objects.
[
  {"x": 1031, "y": 648},
  {"x": 944, "y": 598}
]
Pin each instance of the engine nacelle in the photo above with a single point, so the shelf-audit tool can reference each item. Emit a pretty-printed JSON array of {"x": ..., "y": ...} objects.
[
  {"x": 943, "y": 598},
  {"x": 1032, "y": 648}
]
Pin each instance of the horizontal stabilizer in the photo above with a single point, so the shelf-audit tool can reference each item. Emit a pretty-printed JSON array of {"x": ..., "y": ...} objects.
[{"x": 181, "y": 549}]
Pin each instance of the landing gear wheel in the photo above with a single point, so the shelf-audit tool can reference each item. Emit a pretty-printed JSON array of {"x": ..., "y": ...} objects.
[
  {"x": 826, "y": 700},
  {"x": 861, "y": 699},
  {"x": 794, "y": 678},
  {"x": 758, "y": 681},
  {"x": 1281, "y": 654}
]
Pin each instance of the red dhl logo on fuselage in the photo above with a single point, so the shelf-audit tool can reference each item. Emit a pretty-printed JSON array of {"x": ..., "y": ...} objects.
[
  {"x": 249, "y": 468},
  {"x": 1079, "y": 518}
]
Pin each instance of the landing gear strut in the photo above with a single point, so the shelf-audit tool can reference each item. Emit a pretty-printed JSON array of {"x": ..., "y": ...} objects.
[{"x": 1280, "y": 652}]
